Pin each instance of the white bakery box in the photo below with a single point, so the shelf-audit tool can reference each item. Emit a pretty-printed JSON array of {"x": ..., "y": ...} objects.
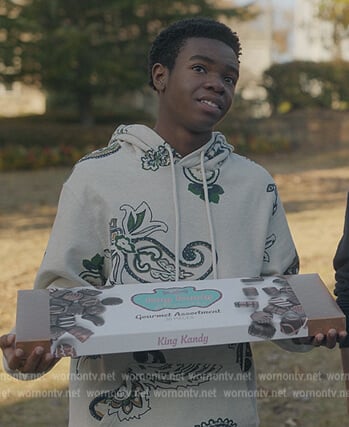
[{"x": 126, "y": 318}]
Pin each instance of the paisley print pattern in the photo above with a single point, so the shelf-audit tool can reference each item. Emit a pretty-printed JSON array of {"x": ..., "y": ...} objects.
[
  {"x": 293, "y": 268},
  {"x": 145, "y": 258},
  {"x": 270, "y": 241},
  {"x": 93, "y": 272},
  {"x": 196, "y": 184},
  {"x": 244, "y": 356},
  {"x": 218, "y": 423},
  {"x": 154, "y": 159},
  {"x": 271, "y": 188},
  {"x": 102, "y": 152},
  {"x": 132, "y": 398}
]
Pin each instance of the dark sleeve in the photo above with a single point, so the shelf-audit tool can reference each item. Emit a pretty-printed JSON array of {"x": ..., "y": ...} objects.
[{"x": 341, "y": 266}]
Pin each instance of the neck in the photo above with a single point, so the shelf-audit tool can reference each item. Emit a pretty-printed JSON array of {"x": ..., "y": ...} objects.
[{"x": 184, "y": 142}]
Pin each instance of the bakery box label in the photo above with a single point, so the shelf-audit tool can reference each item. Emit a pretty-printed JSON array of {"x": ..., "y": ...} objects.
[{"x": 176, "y": 298}]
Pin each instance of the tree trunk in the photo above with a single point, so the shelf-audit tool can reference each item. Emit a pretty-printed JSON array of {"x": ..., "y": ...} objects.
[
  {"x": 337, "y": 42},
  {"x": 85, "y": 109}
]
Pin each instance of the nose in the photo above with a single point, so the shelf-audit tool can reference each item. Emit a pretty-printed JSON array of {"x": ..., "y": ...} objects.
[{"x": 214, "y": 82}]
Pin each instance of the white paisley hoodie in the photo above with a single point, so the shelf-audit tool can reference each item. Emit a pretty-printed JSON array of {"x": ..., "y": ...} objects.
[{"x": 136, "y": 212}]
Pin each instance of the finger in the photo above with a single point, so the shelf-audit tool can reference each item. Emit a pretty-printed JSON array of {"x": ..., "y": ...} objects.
[
  {"x": 342, "y": 336},
  {"x": 7, "y": 341},
  {"x": 331, "y": 338},
  {"x": 33, "y": 361},
  {"x": 15, "y": 357},
  {"x": 318, "y": 340},
  {"x": 47, "y": 362}
]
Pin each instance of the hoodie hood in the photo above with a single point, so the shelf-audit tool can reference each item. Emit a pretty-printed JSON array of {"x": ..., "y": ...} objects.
[{"x": 146, "y": 140}]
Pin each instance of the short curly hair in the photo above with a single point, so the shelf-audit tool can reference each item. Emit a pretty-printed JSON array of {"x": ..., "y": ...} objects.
[{"x": 169, "y": 41}]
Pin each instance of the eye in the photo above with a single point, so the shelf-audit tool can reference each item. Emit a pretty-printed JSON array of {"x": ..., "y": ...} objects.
[
  {"x": 199, "y": 68},
  {"x": 230, "y": 80}
]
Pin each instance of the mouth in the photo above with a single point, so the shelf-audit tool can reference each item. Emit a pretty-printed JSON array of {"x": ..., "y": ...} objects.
[{"x": 212, "y": 104}]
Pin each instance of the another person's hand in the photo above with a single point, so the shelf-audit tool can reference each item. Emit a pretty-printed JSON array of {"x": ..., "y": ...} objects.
[
  {"x": 329, "y": 340},
  {"x": 37, "y": 362}
]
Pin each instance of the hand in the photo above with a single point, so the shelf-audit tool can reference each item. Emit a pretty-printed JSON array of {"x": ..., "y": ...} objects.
[
  {"x": 329, "y": 340},
  {"x": 37, "y": 362}
]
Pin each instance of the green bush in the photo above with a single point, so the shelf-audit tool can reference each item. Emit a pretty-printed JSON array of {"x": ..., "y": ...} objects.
[
  {"x": 17, "y": 157},
  {"x": 33, "y": 143},
  {"x": 39, "y": 142},
  {"x": 47, "y": 141},
  {"x": 301, "y": 85},
  {"x": 255, "y": 136},
  {"x": 254, "y": 144}
]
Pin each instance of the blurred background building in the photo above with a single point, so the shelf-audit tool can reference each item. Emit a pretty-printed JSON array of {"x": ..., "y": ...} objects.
[{"x": 313, "y": 39}]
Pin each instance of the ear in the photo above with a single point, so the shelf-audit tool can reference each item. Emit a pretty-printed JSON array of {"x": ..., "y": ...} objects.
[{"x": 160, "y": 76}]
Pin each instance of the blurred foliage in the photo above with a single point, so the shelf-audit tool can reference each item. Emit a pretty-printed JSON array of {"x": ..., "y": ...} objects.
[
  {"x": 37, "y": 142},
  {"x": 88, "y": 48},
  {"x": 335, "y": 12},
  {"x": 248, "y": 143},
  {"x": 305, "y": 84},
  {"x": 250, "y": 135},
  {"x": 22, "y": 157}
]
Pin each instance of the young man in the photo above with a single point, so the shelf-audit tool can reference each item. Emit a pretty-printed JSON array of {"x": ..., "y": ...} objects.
[{"x": 170, "y": 203}]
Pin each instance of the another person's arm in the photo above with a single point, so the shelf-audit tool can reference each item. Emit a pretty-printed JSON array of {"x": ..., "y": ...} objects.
[
  {"x": 341, "y": 290},
  {"x": 341, "y": 266}
]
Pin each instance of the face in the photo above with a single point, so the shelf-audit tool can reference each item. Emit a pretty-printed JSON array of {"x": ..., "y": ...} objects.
[{"x": 197, "y": 93}]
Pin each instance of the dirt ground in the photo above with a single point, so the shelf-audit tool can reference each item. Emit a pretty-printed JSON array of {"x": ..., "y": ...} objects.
[{"x": 313, "y": 188}]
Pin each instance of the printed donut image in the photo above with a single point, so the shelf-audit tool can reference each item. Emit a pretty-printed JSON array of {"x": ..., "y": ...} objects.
[
  {"x": 68, "y": 306},
  {"x": 262, "y": 317},
  {"x": 262, "y": 330},
  {"x": 291, "y": 322},
  {"x": 250, "y": 292}
]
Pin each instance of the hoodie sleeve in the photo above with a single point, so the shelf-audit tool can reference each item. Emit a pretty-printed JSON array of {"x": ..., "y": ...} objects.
[
  {"x": 341, "y": 266},
  {"x": 75, "y": 253},
  {"x": 280, "y": 255}
]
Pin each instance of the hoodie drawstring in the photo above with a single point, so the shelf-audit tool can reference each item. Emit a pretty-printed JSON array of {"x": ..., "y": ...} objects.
[
  {"x": 208, "y": 212},
  {"x": 176, "y": 209},
  {"x": 209, "y": 217}
]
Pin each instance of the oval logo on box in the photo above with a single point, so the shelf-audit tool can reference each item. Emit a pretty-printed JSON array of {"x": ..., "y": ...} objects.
[{"x": 176, "y": 298}]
